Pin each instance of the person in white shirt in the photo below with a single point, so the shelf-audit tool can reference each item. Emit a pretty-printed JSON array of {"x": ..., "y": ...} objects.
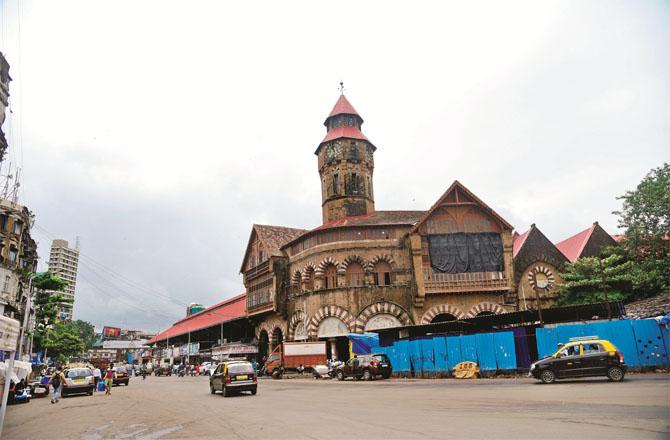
[{"x": 96, "y": 377}]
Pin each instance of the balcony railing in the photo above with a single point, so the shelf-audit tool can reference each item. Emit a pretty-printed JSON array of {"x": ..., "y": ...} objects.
[
  {"x": 464, "y": 282},
  {"x": 259, "y": 301},
  {"x": 255, "y": 271}
]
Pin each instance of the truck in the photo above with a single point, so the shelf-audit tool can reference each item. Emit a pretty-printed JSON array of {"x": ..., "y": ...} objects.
[{"x": 290, "y": 355}]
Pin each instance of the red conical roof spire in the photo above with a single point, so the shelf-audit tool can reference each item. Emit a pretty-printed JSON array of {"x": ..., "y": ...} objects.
[{"x": 342, "y": 107}]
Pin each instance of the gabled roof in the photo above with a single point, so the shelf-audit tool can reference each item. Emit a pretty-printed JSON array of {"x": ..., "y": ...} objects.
[
  {"x": 227, "y": 310},
  {"x": 574, "y": 247},
  {"x": 519, "y": 239},
  {"x": 532, "y": 247},
  {"x": 272, "y": 238},
  {"x": 377, "y": 218},
  {"x": 343, "y": 107},
  {"x": 459, "y": 186}
]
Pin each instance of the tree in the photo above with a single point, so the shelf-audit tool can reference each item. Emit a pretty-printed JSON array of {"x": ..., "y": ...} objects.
[
  {"x": 85, "y": 331},
  {"x": 645, "y": 216},
  {"x": 47, "y": 304},
  {"x": 588, "y": 279},
  {"x": 62, "y": 342}
]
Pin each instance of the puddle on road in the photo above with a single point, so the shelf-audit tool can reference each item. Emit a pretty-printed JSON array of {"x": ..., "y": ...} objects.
[{"x": 137, "y": 431}]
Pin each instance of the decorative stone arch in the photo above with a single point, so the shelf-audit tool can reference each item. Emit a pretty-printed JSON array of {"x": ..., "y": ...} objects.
[
  {"x": 296, "y": 278},
  {"x": 381, "y": 308},
  {"x": 327, "y": 312},
  {"x": 442, "y": 309},
  {"x": 269, "y": 327},
  {"x": 321, "y": 268},
  {"x": 486, "y": 307},
  {"x": 377, "y": 258},
  {"x": 354, "y": 259},
  {"x": 306, "y": 270},
  {"x": 298, "y": 317}
]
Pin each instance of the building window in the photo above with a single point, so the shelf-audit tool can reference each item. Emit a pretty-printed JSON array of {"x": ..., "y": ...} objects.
[
  {"x": 17, "y": 227},
  {"x": 3, "y": 222},
  {"x": 12, "y": 255},
  {"x": 5, "y": 287},
  {"x": 309, "y": 283},
  {"x": 336, "y": 183},
  {"x": 331, "y": 277},
  {"x": 382, "y": 274},
  {"x": 354, "y": 275}
]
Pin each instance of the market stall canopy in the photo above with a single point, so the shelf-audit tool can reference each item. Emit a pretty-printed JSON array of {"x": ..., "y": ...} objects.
[{"x": 225, "y": 311}]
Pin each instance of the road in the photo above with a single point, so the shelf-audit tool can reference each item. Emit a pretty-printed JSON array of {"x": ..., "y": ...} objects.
[{"x": 171, "y": 407}]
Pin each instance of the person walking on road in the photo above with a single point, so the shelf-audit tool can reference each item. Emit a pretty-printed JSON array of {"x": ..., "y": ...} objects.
[
  {"x": 109, "y": 380},
  {"x": 56, "y": 380},
  {"x": 96, "y": 377}
]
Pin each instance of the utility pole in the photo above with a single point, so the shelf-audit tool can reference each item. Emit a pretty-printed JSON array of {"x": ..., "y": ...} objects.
[
  {"x": 539, "y": 305},
  {"x": 26, "y": 314}
]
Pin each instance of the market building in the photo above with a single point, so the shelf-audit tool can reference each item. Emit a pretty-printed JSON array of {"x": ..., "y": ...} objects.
[{"x": 364, "y": 269}]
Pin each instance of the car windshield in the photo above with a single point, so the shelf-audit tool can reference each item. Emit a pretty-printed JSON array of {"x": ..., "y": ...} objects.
[
  {"x": 79, "y": 373},
  {"x": 381, "y": 357},
  {"x": 120, "y": 370},
  {"x": 240, "y": 368}
]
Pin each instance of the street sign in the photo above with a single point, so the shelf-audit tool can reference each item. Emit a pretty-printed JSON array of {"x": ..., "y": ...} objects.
[{"x": 9, "y": 333}]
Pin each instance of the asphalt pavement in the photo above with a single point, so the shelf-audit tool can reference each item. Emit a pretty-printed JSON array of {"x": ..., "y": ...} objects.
[{"x": 182, "y": 408}]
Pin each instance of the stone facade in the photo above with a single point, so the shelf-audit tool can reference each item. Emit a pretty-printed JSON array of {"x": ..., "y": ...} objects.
[{"x": 364, "y": 269}]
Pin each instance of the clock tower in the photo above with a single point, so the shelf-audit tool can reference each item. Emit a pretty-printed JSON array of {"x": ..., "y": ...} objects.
[{"x": 345, "y": 165}]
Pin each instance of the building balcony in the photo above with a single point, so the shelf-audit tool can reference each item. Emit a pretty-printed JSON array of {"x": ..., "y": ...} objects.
[
  {"x": 260, "y": 302},
  {"x": 464, "y": 282}
]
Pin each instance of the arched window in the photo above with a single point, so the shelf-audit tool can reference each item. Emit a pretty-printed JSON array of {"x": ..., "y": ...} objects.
[
  {"x": 330, "y": 275},
  {"x": 443, "y": 317},
  {"x": 354, "y": 275},
  {"x": 309, "y": 282},
  {"x": 382, "y": 274}
]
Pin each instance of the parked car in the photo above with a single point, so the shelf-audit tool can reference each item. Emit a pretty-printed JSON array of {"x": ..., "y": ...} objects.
[
  {"x": 121, "y": 376},
  {"x": 233, "y": 377},
  {"x": 366, "y": 367},
  {"x": 581, "y": 357},
  {"x": 163, "y": 371},
  {"x": 206, "y": 367},
  {"x": 78, "y": 381}
]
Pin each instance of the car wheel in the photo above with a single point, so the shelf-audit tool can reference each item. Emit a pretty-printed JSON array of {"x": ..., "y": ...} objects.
[
  {"x": 90, "y": 392},
  {"x": 340, "y": 375},
  {"x": 212, "y": 390},
  {"x": 547, "y": 376},
  {"x": 254, "y": 391},
  {"x": 386, "y": 376},
  {"x": 225, "y": 392},
  {"x": 367, "y": 375},
  {"x": 615, "y": 374}
]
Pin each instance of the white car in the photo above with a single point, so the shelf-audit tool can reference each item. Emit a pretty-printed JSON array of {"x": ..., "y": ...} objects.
[{"x": 207, "y": 367}]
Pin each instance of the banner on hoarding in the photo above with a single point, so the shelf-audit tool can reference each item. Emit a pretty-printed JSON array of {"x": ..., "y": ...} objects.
[
  {"x": 194, "y": 348},
  {"x": 111, "y": 332},
  {"x": 234, "y": 348}
]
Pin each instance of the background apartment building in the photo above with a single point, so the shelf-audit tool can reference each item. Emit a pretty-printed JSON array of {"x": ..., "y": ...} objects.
[{"x": 63, "y": 261}]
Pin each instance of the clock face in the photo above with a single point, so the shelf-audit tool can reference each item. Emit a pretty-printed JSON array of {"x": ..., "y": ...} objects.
[{"x": 541, "y": 278}]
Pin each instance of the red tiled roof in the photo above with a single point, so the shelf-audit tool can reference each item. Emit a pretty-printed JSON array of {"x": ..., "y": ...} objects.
[
  {"x": 518, "y": 242},
  {"x": 343, "y": 107},
  {"x": 228, "y": 310},
  {"x": 274, "y": 237},
  {"x": 572, "y": 247},
  {"x": 344, "y": 131},
  {"x": 617, "y": 237}
]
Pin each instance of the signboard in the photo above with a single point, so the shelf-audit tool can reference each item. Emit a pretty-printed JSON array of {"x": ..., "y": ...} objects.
[
  {"x": 194, "y": 348},
  {"x": 9, "y": 333},
  {"x": 111, "y": 332},
  {"x": 234, "y": 348},
  {"x": 304, "y": 348},
  {"x": 183, "y": 350}
]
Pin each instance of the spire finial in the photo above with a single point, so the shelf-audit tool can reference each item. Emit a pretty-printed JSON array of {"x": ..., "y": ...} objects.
[{"x": 341, "y": 87}]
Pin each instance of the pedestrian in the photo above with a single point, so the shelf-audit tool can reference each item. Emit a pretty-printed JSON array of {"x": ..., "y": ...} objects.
[
  {"x": 301, "y": 369},
  {"x": 109, "y": 380},
  {"x": 57, "y": 380},
  {"x": 96, "y": 377}
]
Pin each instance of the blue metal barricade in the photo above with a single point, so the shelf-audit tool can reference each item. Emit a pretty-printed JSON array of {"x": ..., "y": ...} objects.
[
  {"x": 505, "y": 350},
  {"x": 486, "y": 354}
]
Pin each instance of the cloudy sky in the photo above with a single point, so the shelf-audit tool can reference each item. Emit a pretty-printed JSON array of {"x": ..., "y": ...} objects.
[{"x": 159, "y": 131}]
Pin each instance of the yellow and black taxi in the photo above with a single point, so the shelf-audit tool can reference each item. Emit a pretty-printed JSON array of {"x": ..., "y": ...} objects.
[
  {"x": 121, "y": 376},
  {"x": 581, "y": 357},
  {"x": 233, "y": 377}
]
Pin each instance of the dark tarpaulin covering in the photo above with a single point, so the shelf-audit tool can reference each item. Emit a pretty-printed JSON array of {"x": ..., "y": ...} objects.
[{"x": 466, "y": 252}]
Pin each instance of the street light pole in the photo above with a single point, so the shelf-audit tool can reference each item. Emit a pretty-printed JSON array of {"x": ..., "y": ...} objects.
[{"x": 26, "y": 314}]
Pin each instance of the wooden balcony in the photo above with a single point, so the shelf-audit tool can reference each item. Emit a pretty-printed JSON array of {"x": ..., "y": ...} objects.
[
  {"x": 464, "y": 282},
  {"x": 259, "y": 303}
]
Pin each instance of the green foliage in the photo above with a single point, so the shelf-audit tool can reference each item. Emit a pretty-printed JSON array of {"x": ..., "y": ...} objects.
[
  {"x": 645, "y": 215},
  {"x": 85, "y": 331},
  {"x": 48, "y": 281},
  {"x": 62, "y": 342},
  {"x": 587, "y": 279}
]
